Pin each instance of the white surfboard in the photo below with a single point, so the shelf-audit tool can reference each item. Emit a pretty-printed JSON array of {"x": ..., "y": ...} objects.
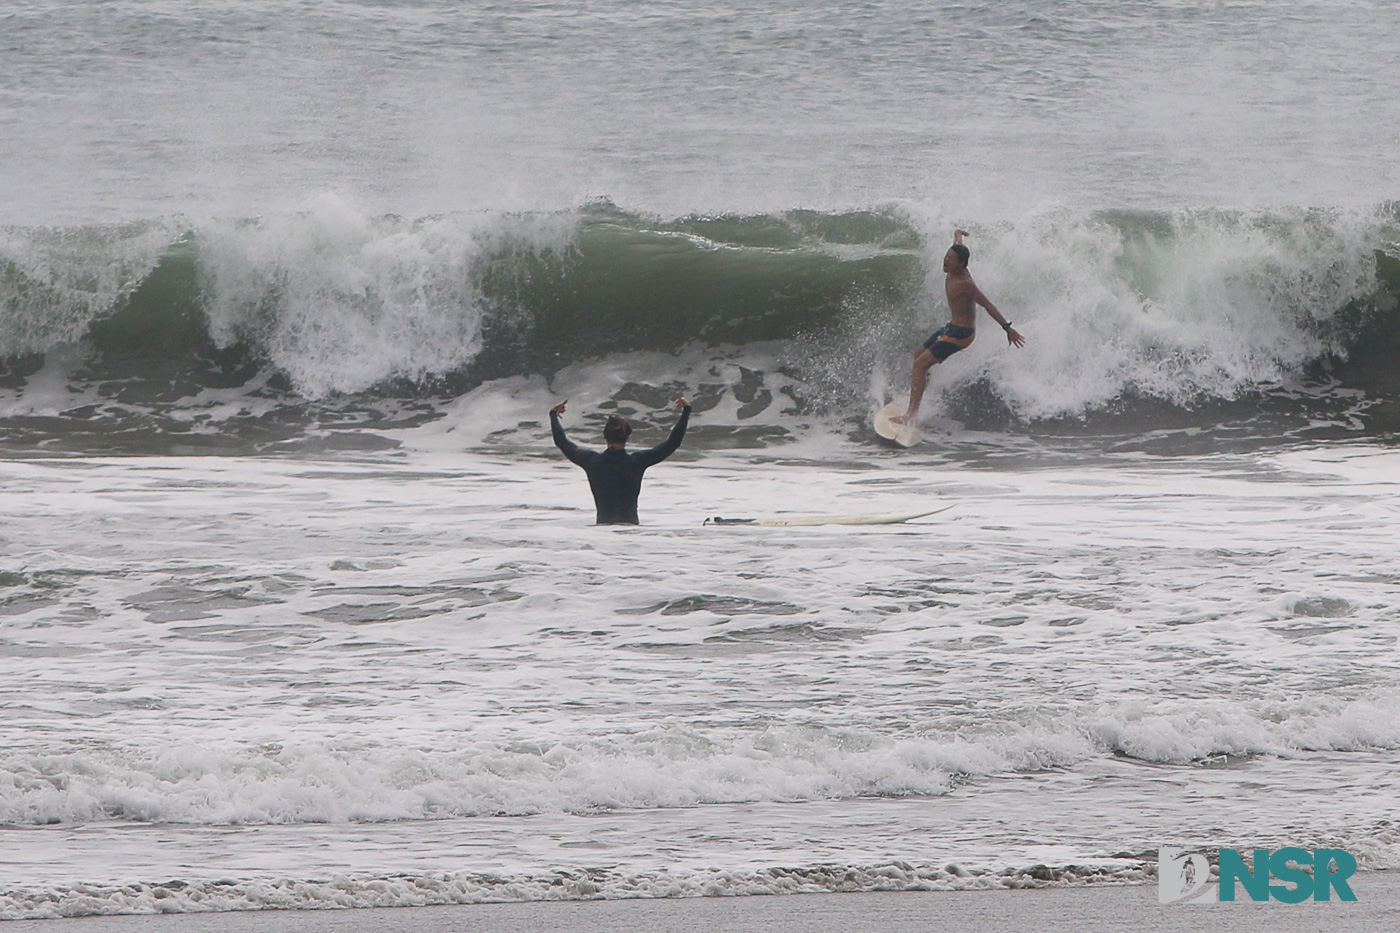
[
  {"x": 905, "y": 435},
  {"x": 777, "y": 521}
]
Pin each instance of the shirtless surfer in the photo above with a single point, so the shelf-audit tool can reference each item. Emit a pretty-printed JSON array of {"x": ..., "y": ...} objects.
[{"x": 957, "y": 334}]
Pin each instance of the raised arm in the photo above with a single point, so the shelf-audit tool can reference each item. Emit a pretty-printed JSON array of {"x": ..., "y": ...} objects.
[
  {"x": 571, "y": 450},
  {"x": 667, "y": 447},
  {"x": 958, "y": 234}
]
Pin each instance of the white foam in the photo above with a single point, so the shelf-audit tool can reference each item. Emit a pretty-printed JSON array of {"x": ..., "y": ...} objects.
[
  {"x": 340, "y": 300},
  {"x": 1214, "y": 305},
  {"x": 307, "y": 648},
  {"x": 425, "y": 889},
  {"x": 655, "y": 767},
  {"x": 56, "y": 282}
]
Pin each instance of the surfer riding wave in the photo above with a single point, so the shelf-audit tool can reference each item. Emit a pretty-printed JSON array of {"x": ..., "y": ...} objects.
[{"x": 963, "y": 298}]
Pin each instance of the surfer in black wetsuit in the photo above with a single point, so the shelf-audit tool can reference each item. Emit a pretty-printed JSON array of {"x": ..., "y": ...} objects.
[{"x": 614, "y": 475}]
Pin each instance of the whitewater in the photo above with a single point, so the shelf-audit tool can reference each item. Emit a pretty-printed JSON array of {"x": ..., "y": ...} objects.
[{"x": 301, "y": 608}]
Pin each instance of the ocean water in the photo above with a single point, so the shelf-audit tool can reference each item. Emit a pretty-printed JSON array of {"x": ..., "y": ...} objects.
[{"x": 300, "y": 607}]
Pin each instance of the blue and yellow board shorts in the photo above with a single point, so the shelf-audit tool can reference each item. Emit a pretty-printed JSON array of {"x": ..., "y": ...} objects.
[{"x": 949, "y": 339}]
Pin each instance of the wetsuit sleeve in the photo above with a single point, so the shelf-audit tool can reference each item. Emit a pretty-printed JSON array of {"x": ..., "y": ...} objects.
[
  {"x": 571, "y": 450},
  {"x": 667, "y": 447}
]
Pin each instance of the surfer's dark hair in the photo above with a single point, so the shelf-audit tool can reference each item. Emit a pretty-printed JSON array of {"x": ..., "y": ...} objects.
[
  {"x": 617, "y": 430},
  {"x": 963, "y": 252}
]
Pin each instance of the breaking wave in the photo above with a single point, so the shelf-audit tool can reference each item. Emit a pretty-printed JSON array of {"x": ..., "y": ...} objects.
[{"x": 1156, "y": 317}]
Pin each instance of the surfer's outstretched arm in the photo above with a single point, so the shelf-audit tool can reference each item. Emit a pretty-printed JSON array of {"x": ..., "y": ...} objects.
[
  {"x": 667, "y": 447},
  {"x": 1013, "y": 337}
]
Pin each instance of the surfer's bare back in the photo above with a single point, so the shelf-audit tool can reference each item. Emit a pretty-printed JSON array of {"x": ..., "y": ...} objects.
[{"x": 957, "y": 334}]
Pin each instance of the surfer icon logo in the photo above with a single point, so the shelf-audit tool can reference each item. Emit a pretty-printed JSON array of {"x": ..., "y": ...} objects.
[{"x": 1180, "y": 876}]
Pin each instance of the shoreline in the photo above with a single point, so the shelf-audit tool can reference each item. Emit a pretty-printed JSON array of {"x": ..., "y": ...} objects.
[{"x": 1087, "y": 908}]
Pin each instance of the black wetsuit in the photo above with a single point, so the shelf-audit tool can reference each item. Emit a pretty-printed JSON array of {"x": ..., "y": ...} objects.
[{"x": 615, "y": 476}]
